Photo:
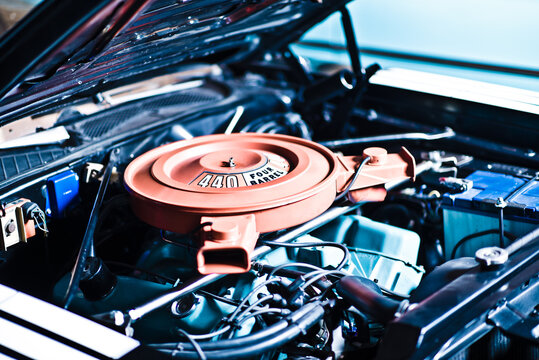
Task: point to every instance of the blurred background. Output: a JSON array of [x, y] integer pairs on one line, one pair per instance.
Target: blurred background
[[495, 41]]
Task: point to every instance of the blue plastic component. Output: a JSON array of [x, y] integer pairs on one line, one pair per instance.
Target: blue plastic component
[[383, 253], [62, 193], [488, 187]]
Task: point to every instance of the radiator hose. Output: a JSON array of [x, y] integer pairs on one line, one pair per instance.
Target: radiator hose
[[364, 295]]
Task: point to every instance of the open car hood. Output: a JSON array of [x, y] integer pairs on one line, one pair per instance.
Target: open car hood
[[65, 48]]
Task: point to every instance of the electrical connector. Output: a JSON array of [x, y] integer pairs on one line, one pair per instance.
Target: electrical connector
[[18, 221]]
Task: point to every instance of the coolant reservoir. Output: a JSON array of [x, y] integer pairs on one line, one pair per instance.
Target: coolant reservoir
[[383, 253]]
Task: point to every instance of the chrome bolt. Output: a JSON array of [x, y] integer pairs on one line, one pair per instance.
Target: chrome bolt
[[501, 203], [11, 227], [372, 115]]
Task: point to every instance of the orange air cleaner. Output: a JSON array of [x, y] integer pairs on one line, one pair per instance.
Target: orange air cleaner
[[241, 185]]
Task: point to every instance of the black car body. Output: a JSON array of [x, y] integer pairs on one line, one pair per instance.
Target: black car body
[[88, 86]]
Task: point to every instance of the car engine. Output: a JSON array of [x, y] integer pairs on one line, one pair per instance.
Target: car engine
[[223, 212]]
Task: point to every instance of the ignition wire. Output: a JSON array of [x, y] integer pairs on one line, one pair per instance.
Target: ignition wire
[[193, 342]]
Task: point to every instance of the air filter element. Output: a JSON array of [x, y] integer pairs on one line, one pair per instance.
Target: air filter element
[[240, 185]]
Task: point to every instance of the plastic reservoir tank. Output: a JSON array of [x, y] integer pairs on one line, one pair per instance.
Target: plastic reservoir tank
[[383, 253]]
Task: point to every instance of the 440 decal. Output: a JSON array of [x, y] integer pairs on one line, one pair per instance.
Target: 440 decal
[[262, 175]]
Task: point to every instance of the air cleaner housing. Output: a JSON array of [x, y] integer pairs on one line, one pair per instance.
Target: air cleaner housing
[[241, 185]]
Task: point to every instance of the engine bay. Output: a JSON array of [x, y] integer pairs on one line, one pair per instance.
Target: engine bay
[[219, 213]]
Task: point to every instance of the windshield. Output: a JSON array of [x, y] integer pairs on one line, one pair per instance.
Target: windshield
[[12, 11], [491, 41]]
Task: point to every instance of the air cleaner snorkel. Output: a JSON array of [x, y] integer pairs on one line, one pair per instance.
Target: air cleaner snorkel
[[234, 187], [227, 244]]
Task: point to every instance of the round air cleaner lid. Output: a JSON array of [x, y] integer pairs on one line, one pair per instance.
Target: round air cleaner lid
[[232, 174], [245, 184]]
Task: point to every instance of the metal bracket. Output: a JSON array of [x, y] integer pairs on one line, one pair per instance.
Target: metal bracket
[[520, 316]]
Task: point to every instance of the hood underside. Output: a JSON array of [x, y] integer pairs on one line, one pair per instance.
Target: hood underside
[[64, 48]]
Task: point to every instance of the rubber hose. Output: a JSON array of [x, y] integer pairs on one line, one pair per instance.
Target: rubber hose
[[358, 292]]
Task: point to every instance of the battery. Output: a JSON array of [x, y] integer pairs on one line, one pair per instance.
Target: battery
[[478, 209]]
